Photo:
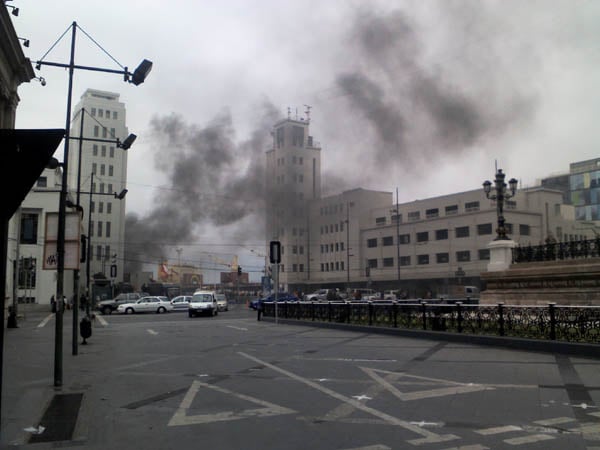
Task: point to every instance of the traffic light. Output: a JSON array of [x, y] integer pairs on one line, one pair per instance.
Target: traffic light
[[239, 270]]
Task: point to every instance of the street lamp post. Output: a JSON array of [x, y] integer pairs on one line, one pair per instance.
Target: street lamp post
[[136, 78], [500, 197]]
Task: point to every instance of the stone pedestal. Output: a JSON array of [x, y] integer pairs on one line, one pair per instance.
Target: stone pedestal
[[500, 255]]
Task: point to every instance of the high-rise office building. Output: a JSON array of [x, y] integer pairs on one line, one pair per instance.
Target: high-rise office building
[[100, 120]]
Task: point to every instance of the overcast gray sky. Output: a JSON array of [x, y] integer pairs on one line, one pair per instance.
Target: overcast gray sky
[[419, 95]]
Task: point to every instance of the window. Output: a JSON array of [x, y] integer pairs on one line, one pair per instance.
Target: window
[[405, 260], [341, 265], [104, 151], [111, 170], [95, 150], [42, 182], [462, 232], [115, 115], [102, 169], [100, 207], [451, 210], [93, 112], [93, 207], [387, 241], [27, 273], [94, 168], [484, 228], [396, 218], [423, 236], [471, 206], [294, 249], [442, 258], [108, 207], [441, 235], [301, 268], [525, 230], [96, 131], [298, 136], [29, 228], [372, 263], [100, 113], [280, 134], [432, 213], [107, 113], [379, 221], [404, 238], [104, 132], [322, 267], [107, 229], [484, 254], [341, 246], [98, 252], [112, 152], [388, 262], [414, 216], [92, 227], [99, 229], [422, 259], [371, 243], [463, 256]]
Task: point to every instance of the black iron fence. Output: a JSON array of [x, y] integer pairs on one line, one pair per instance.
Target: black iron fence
[[553, 251], [551, 322]]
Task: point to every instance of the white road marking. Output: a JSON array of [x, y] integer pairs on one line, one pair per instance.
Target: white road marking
[[529, 439], [428, 436], [362, 397], [587, 428], [181, 418], [595, 414], [371, 447], [346, 359], [46, 320], [498, 430], [152, 332], [555, 421], [237, 328], [454, 388], [422, 423], [102, 321], [469, 447]]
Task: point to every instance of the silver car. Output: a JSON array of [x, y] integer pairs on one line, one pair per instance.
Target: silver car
[[222, 302]]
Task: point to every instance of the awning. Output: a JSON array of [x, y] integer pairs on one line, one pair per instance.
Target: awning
[[25, 154]]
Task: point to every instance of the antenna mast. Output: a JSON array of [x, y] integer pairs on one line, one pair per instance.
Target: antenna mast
[[307, 112]]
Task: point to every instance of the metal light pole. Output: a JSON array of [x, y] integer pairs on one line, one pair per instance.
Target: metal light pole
[[398, 235], [500, 196], [137, 78]]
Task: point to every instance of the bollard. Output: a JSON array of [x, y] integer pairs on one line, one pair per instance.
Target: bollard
[[85, 329]]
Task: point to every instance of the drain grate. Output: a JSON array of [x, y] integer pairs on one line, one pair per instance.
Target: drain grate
[[59, 419]]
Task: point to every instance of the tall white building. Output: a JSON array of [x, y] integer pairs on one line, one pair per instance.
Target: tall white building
[[100, 120]]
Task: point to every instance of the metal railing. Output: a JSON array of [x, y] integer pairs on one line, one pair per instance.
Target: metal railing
[[551, 322], [553, 251]]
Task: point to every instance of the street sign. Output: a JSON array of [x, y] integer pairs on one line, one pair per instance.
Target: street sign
[[72, 241], [275, 252]]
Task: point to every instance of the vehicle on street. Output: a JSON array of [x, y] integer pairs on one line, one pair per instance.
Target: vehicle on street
[[181, 302], [320, 294], [203, 303], [389, 295], [222, 303], [365, 294], [281, 297], [153, 304], [109, 306]]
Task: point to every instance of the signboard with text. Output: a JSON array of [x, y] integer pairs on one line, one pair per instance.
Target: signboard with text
[[72, 241]]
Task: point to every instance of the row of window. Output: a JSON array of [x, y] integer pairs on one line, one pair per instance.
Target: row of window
[[333, 209], [104, 113], [105, 132], [439, 258], [330, 248], [101, 227], [434, 213], [109, 188], [298, 178], [332, 266], [102, 152], [442, 234], [332, 228], [101, 207], [103, 170], [295, 160]]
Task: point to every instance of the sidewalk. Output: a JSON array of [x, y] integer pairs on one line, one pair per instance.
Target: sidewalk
[[28, 371]]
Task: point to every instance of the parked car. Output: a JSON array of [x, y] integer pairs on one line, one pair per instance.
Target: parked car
[[181, 302], [203, 302], [108, 306], [281, 297], [365, 294], [154, 304], [222, 303], [320, 294]]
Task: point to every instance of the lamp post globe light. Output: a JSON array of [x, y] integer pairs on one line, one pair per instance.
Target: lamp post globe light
[[500, 196], [136, 78]]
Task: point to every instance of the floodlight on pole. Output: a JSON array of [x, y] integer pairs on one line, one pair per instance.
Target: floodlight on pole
[[121, 195], [141, 73], [127, 143]]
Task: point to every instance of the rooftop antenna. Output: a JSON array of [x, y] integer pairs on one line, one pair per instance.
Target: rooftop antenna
[[307, 112], [289, 113]]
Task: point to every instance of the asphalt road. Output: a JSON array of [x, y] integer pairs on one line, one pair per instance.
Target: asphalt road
[[231, 382]]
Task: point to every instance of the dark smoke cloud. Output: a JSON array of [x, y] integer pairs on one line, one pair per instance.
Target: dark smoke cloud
[[415, 110], [214, 182]]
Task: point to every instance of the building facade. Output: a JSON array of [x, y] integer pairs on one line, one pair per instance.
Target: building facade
[[360, 238], [100, 122]]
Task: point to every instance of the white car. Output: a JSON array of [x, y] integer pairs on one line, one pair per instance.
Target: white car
[[222, 302], [154, 304], [181, 302], [203, 302]]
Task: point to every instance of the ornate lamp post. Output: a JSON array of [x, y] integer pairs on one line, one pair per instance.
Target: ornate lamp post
[[500, 196]]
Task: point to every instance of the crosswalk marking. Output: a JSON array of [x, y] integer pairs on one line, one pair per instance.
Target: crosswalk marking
[[468, 447], [529, 439], [555, 421], [498, 430]]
